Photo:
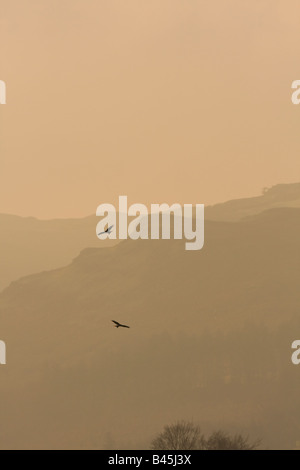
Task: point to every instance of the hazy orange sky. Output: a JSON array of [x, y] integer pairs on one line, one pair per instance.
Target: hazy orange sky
[[161, 100]]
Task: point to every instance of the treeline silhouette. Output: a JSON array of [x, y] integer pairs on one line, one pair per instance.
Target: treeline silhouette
[[241, 381], [185, 435]]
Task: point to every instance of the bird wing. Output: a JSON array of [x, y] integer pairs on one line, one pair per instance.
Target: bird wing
[[125, 326], [109, 228], [117, 323], [101, 233]]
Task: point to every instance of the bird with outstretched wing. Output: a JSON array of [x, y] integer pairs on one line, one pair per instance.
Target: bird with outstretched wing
[[118, 325], [108, 230]]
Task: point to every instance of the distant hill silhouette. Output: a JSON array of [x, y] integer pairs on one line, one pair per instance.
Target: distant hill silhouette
[[29, 245], [281, 195], [210, 338]]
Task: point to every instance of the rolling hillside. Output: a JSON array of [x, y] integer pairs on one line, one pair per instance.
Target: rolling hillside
[[210, 339], [281, 195], [29, 245]]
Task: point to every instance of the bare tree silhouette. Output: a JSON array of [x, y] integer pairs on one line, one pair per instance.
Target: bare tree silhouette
[[183, 435], [220, 440]]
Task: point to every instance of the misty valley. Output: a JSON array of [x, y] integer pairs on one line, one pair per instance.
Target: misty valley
[[149, 228], [210, 339]]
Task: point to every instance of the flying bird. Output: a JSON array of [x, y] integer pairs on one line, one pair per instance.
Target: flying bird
[[108, 230], [117, 324]]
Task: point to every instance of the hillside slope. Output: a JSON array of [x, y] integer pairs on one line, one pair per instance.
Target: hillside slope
[[29, 245], [209, 340], [281, 195]]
